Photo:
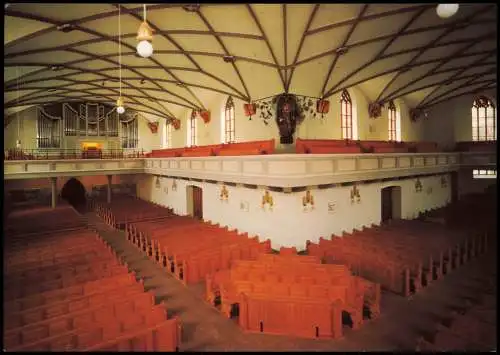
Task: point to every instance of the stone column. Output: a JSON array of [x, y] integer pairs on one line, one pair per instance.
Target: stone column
[[110, 177], [53, 182]]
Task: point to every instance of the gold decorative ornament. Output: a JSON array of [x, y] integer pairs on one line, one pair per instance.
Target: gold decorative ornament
[[355, 196], [224, 193], [267, 199]]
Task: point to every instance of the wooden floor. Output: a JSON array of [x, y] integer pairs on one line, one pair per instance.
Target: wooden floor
[[401, 323]]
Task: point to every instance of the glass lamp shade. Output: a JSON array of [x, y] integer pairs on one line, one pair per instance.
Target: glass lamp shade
[[120, 109], [446, 10], [145, 49]]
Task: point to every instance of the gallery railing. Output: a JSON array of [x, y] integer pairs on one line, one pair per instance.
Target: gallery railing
[[56, 154]]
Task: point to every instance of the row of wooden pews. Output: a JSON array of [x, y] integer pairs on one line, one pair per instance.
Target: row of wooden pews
[[471, 324], [118, 213], [190, 249], [68, 291], [347, 146], [291, 294], [229, 149], [404, 256]]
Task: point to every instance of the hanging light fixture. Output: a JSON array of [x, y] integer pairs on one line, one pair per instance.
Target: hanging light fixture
[[145, 36], [18, 141], [119, 103], [446, 10]]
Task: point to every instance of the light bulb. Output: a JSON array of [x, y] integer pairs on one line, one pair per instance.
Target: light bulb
[[120, 109], [145, 49], [446, 10]]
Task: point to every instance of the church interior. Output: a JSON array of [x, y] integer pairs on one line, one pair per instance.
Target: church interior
[[266, 177]]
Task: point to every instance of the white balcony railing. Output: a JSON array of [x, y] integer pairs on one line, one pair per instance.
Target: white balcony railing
[[289, 170], [31, 169], [280, 170]]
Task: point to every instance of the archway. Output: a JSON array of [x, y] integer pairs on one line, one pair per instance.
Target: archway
[[74, 192], [391, 203]]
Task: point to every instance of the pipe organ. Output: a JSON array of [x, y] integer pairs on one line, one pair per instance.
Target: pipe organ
[[80, 120]]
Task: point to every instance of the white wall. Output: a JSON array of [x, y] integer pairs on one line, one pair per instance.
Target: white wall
[[287, 224], [450, 121], [27, 130], [327, 127]]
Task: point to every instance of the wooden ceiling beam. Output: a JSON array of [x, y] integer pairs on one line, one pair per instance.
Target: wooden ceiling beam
[[453, 27], [344, 43], [442, 62], [490, 84], [268, 44], [379, 53], [226, 52], [301, 43], [456, 75]]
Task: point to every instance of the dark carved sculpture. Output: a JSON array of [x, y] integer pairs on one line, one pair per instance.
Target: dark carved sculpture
[[287, 115]]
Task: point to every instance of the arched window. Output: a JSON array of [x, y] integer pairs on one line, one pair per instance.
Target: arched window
[[229, 136], [346, 122], [394, 124], [483, 120], [167, 135], [192, 130]]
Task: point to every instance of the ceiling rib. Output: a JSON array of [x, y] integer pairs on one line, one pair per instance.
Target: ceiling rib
[[369, 17], [285, 45], [433, 70], [379, 53], [191, 59], [490, 84], [233, 64], [268, 44], [153, 26], [381, 38], [301, 43], [461, 86], [456, 76], [454, 26], [344, 42], [133, 70], [125, 79], [439, 83], [158, 113]]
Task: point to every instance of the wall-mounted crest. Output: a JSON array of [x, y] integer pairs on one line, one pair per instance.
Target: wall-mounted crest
[[417, 113], [418, 185], [153, 127], [355, 196], [224, 193], [157, 182], [331, 207], [267, 200], [174, 185], [375, 109], [308, 201], [176, 123]]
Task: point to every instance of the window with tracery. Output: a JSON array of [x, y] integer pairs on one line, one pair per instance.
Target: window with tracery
[[346, 122], [483, 120], [229, 135], [167, 135], [394, 129], [192, 131]]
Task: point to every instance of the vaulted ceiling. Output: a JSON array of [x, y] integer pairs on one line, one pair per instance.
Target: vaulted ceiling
[[389, 51]]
